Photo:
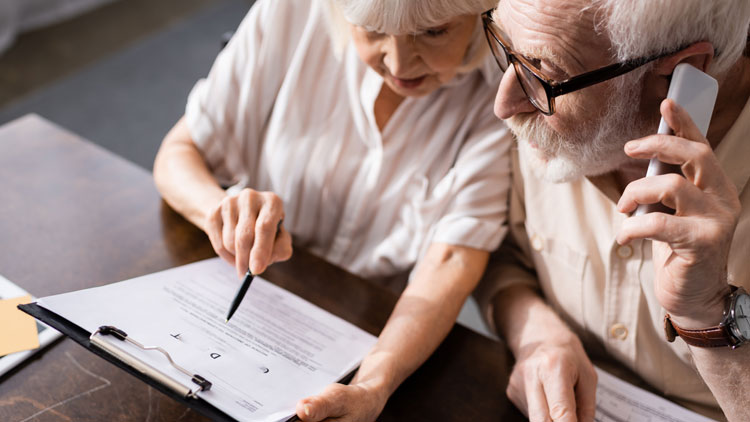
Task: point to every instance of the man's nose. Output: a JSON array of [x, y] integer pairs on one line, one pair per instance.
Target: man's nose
[[510, 99], [398, 54]]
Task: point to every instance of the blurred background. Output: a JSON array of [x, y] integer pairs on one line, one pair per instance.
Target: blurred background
[[116, 72]]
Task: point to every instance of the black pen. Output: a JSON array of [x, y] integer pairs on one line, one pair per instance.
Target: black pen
[[246, 282], [240, 294]]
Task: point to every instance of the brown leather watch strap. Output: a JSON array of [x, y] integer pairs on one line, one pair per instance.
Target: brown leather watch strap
[[718, 336]]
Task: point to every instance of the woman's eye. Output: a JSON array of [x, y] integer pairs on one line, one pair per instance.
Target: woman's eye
[[374, 35], [436, 32]]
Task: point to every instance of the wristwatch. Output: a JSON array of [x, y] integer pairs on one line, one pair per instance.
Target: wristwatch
[[732, 332]]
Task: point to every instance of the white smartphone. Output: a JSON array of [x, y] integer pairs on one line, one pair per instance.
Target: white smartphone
[[696, 92]]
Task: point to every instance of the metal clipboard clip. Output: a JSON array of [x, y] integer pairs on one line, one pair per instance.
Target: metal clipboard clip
[[203, 384]]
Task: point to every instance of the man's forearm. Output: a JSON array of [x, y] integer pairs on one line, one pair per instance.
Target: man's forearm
[[726, 373], [524, 319]]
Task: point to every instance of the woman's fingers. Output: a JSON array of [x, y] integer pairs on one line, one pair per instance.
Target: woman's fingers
[[246, 231], [267, 226], [214, 225], [249, 206], [282, 248], [229, 222], [335, 401]]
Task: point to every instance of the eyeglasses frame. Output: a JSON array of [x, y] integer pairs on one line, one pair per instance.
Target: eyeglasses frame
[[551, 87]]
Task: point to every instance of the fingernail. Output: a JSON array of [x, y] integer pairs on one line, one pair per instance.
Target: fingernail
[[308, 410], [255, 266]]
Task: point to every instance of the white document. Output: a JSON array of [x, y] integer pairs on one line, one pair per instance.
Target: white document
[[619, 401], [277, 348], [47, 334]]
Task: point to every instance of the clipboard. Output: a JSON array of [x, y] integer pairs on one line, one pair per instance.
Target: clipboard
[[83, 337], [131, 366], [281, 348]]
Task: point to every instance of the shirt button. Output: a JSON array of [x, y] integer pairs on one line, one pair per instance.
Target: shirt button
[[537, 243], [624, 251], [618, 331]]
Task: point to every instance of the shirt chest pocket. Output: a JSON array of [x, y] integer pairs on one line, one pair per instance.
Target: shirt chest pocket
[[561, 271]]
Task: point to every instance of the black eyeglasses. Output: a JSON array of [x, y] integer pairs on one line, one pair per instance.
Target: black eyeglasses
[[539, 89]]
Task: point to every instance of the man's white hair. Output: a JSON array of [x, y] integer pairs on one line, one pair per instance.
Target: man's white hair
[[398, 17], [642, 28]]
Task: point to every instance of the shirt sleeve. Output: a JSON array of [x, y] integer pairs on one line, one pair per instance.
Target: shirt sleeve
[[511, 264], [227, 110], [476, 216]]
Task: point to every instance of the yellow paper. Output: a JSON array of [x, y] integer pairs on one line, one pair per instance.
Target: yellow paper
[[17, 329]]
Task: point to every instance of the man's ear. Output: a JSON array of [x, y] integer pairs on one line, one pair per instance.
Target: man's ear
[[699, 54]]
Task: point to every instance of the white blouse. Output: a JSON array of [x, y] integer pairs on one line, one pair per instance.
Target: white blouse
[[280, 112]]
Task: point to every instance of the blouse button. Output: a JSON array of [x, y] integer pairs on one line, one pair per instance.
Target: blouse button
[[624, 251], [537, 243], [618, 331]]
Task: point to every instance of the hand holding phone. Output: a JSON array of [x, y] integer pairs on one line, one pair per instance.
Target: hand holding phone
[[696, 92]]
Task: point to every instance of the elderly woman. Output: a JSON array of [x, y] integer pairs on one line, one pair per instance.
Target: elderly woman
[[367, 127]]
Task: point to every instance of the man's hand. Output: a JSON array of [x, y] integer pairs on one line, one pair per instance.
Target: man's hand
[[554, 381], [246, 231], [343, 403], [691, 247]]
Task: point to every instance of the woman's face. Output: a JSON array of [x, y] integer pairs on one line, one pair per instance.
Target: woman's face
[[416, 64]]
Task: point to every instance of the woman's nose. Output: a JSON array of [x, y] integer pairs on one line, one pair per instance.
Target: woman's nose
[[399, 54], [510, 99]]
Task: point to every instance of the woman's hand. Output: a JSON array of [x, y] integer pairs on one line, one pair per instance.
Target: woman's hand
[[246, 230], [357, 402], [423, 316]]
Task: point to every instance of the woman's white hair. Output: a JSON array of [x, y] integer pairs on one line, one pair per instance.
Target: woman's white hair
[[406, 17], [642, 28]]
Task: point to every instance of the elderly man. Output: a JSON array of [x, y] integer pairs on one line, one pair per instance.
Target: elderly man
[[583, 90]]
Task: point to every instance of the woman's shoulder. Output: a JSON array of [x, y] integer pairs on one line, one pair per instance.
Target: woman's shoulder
[[288, 16]]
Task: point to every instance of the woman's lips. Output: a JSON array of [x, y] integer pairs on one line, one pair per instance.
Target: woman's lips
[[408, 83]]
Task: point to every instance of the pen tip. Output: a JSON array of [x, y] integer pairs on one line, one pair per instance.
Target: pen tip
[[226, 321]]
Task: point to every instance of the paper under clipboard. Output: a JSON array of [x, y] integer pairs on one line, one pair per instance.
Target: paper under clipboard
[[277, 349]]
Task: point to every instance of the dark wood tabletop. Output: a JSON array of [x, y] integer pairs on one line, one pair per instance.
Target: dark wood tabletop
[[73, 215]]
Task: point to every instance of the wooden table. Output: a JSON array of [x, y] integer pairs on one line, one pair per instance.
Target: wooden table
[[73, 215]]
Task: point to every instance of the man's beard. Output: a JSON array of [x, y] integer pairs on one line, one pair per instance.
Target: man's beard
[[596, 147]]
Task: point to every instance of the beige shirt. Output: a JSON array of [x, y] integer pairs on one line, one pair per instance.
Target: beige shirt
[[280, 112], [566, 234]]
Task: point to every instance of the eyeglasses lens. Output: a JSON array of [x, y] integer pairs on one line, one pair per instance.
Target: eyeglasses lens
[[497, 50], [533, 88], [529, 82]]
